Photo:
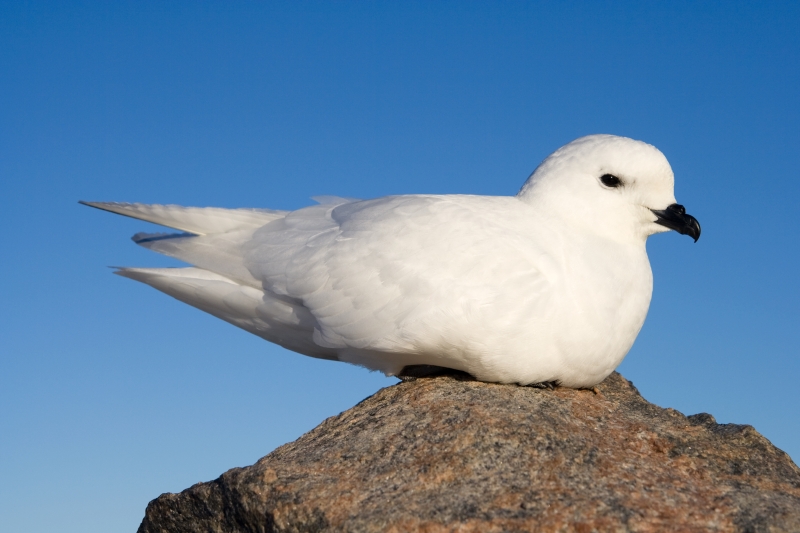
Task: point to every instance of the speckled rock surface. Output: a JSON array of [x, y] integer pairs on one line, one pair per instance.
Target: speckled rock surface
[[447, 454]]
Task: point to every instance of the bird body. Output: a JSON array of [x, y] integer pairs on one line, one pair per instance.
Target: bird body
[[552, 284]]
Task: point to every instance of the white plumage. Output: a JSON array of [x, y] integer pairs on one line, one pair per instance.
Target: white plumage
[[552, 284]]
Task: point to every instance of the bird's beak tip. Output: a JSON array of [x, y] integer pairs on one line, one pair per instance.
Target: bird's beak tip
[[675, 217]]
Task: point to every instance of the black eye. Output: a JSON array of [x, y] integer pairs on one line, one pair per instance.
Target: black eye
[[610, 181]]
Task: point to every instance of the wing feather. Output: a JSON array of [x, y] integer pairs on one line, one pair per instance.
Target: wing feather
[[256, 311], [373, 273], [197, 220]]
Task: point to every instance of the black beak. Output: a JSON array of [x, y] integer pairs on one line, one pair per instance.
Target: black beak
[[675, 217]]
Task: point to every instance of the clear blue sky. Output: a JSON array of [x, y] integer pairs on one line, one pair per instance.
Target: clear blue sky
[[112, 393]]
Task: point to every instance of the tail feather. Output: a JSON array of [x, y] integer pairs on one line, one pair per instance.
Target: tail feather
[[220, 284], [196, 220], [253, 310], [220, 253]]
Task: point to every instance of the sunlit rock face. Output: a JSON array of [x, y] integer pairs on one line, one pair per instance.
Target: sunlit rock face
[[451, 454]]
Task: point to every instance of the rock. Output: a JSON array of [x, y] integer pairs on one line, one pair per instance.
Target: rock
[[450, 454]]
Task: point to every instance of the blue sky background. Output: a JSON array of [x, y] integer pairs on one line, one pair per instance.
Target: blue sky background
[[112, 393]]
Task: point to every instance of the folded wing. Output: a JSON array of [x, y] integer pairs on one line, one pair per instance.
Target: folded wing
[[405, 276], [275, 320], [381, 283]]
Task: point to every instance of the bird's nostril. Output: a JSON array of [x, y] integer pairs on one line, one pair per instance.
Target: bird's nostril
[[678, 208]]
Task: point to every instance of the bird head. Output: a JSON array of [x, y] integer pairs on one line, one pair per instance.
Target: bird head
[[614, 186]]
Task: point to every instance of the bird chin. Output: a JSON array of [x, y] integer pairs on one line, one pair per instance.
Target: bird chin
[[653, 228]]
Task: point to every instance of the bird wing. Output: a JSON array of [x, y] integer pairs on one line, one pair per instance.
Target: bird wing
[[376, 282], [213, 237], [196, 220], [219, 283], [278, 321], [413, 274]]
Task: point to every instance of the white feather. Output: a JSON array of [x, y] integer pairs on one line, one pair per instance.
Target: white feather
[[197, 220], [273, 319], [550, 285]]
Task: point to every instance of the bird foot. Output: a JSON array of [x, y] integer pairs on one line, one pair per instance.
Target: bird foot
[[545, 385], [414, 372]]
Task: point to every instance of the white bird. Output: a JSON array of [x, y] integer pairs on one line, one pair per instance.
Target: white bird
[[549, 286]]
